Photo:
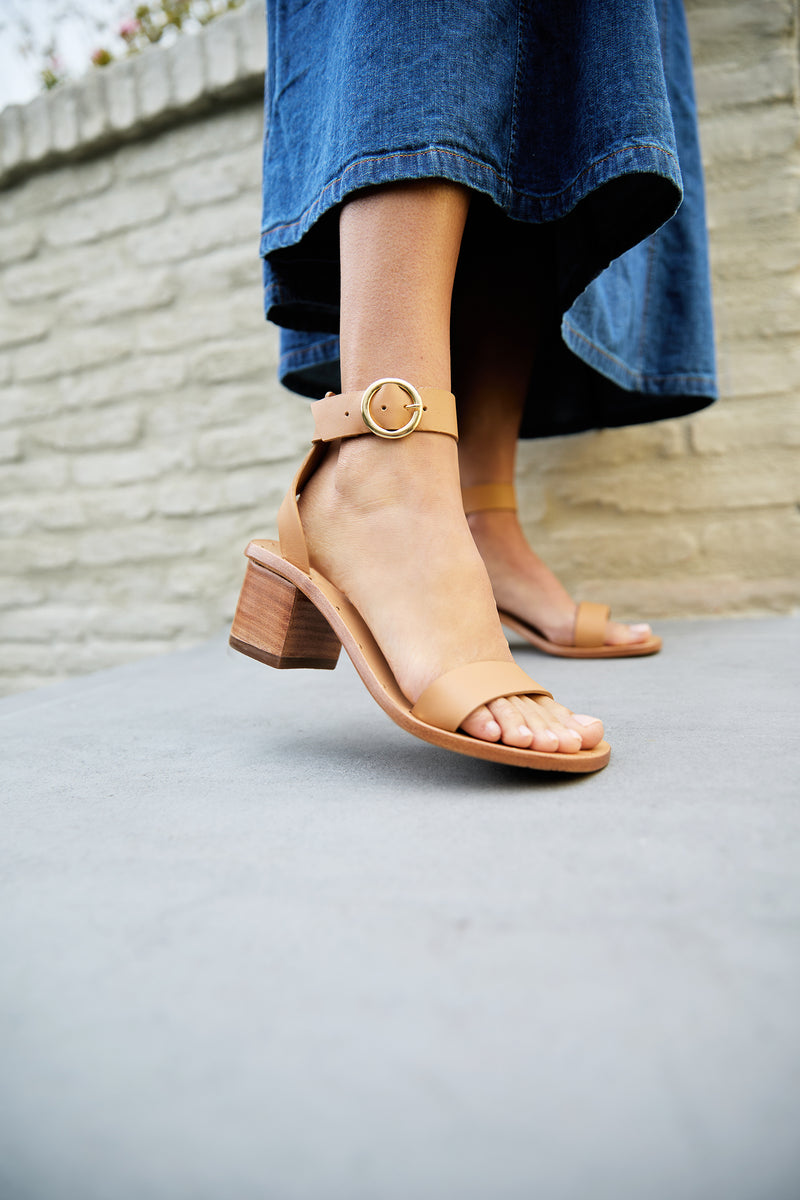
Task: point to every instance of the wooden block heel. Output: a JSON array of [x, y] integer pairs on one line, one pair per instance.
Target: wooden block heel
[[278, 625]]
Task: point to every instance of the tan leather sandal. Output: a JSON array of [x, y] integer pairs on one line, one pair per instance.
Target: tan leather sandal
[[591, 620], [289, 615]]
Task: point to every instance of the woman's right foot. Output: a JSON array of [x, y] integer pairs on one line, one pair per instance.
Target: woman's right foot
[[420, 583]]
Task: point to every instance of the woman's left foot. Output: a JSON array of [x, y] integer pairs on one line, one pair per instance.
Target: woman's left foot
[[526, 587]]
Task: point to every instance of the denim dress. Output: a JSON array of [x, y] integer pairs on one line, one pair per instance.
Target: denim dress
[[574, 116]]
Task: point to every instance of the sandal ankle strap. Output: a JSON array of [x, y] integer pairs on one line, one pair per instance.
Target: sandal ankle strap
[[383, 410], [389, 408], [485, 497]]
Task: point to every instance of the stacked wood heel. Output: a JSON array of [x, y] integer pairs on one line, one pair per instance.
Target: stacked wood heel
[[278, 625]]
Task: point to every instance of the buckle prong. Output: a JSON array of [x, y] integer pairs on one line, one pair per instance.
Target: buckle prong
[[410, 425]]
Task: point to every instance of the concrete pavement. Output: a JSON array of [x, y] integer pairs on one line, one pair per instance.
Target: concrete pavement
[[258, 943]]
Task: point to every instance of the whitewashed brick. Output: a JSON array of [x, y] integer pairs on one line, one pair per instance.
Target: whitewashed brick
[[158, 373], [61, 269], [741, 197], [63, 658], [20, 328], [63, 513], [10, 446], [228, 405], [242, 358], [762, 421], [40, 474], [206, 182], [54, 189], [198, 323], [65, 120], [731, 84], [125, 466], [201, 577], [20, 404], [42, 555], [18, 241], [229, 269], [192, 141], [119, 295], [222, 65], [20, 592], [44, 623], [152, 83], [769, 132], [763, 478], [36, 128], [120, 504], [167, 539], [755, 367], [151, 621], [121, 99], [12, 143], [5, 376], [17, 517], [90, 431], [124, 207], [272, 438], [773, 539], [184, 236], [93, 108], [187, 69], [721, 30], [204, 493], [65, 352], [252, 37], [26, 681]]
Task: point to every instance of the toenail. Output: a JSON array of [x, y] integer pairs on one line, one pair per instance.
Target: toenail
[[640, 628], [493, 729], [583, 720], [523, 729]]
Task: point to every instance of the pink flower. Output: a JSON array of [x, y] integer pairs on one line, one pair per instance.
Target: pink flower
[[129, 28], [101, 57]]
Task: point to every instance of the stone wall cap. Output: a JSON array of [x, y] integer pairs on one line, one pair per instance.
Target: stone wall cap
[[163, 85]]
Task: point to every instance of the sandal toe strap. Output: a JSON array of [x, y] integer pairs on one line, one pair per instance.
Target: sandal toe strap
[[454, 695], [590, 624]]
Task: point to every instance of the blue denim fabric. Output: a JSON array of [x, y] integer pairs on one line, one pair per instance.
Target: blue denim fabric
[[577, 115]]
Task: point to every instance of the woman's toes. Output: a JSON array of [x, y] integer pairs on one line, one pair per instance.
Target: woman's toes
[[525, 723], [546, 740], [621, 635], [510, 716], [591, 730], [551, 731], [482, 725]]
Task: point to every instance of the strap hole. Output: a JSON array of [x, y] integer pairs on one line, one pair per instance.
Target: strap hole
[[347, 414]]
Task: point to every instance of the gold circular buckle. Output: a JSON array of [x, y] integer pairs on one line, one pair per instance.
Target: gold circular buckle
[[410, 425]]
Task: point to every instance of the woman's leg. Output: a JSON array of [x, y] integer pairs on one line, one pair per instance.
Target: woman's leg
[[384, 519], [495, 318]]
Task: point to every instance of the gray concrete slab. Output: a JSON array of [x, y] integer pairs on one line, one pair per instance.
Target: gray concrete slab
[[259, 943]]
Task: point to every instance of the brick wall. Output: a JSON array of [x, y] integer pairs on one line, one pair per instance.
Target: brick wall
[[143, 437]]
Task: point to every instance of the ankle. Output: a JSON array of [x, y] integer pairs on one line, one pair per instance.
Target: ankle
[[382, 473]]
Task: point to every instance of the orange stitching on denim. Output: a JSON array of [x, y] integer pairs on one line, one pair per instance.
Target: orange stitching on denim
[[473, 162]]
